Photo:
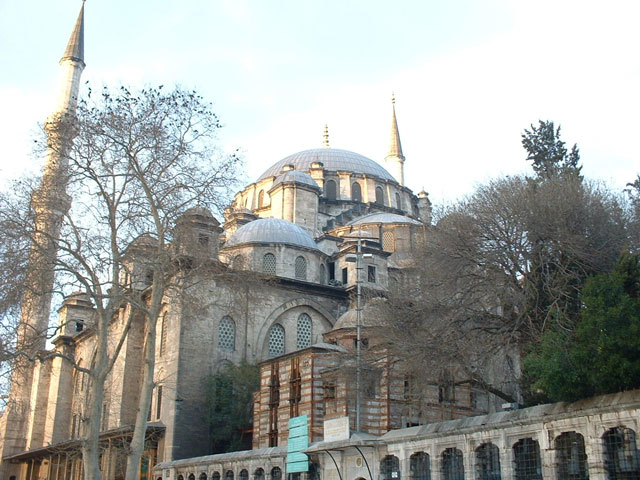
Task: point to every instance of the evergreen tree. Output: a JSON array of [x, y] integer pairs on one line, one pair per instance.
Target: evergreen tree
[[548, 153]]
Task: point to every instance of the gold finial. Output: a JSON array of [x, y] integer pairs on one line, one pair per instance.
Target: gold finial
[[326, 136], [393, 98]]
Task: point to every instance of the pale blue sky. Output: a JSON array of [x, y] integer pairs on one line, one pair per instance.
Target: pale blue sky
[[469, 76]]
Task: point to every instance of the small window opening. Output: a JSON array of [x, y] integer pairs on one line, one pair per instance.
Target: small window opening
[[371, 273]]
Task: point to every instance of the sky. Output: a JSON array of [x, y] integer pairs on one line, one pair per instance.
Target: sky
[[468, 77]]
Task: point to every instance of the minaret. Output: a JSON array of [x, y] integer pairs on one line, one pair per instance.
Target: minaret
[[50, 203], [395, 159]]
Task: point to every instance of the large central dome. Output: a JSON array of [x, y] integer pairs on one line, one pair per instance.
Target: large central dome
[[333, 159]]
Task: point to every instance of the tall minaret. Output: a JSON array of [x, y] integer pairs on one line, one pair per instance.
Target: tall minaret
[[395, 159], [50, 203]]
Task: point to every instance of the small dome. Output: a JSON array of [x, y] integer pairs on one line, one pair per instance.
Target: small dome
[[293, 176], [384, 218], [272, 230], [201, 211], [371, 316], [333, 159]]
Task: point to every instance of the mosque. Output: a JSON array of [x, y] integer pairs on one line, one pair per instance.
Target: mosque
[[313, 231]]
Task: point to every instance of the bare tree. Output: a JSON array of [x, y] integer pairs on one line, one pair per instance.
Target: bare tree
[[497, 270], [139, 160]]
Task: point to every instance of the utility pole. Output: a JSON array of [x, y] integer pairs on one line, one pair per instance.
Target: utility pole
[[358, 326]]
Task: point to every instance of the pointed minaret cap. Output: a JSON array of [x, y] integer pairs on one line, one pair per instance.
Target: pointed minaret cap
[[326, 136], [395, 147], [75, 47]]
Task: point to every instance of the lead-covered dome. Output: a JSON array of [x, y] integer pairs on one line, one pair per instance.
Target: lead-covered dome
[[332, 159], [384, 217], [271, 230], [294, 176]]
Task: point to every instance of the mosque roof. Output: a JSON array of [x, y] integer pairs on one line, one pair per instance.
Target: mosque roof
[[333, 159], [294, 176], [272, 230], [381, 217]]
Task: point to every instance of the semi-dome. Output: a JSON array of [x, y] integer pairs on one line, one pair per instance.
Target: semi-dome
[[272, 230], [332, 159], [294, 176], [382, 217]]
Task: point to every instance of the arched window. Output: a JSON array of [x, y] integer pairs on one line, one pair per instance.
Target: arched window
[[620, 454], [419, 467], [388, 241], [399, 202], [488, 462], [180, 477], [269, 264], [258, 474], [261, 199], [390, 468], [203, 476], [356, 192], [526, 457], [276, 473], [227, 334], [228, 475], [571, 458], [305, 331], [192, 476], [238, 262], [301, 268], [243, 475], [215, 476], [276, 340], [330, 190], [323, 274], [452, 464], [379, 196]]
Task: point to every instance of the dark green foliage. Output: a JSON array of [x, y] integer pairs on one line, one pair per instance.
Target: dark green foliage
[[230, 406], [548, 154], [602, 355]]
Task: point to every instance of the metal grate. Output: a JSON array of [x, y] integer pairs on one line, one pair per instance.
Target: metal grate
[[390, 468], [388, 242], [621, 454], [571, 458], [301, 268], [488, 462], [419, 466], [526, 456], [452, 464], [227, 334], [269, 264], [276, 341], [305, 331]]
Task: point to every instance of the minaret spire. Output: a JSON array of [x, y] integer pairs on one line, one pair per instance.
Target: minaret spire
[[395, 158], [50, 203]]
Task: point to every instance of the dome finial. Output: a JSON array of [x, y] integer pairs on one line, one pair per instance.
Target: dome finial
[[393, 98], [326, 136]]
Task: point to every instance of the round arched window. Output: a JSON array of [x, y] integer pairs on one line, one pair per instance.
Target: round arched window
[[276, 341], [301, 268], [227, 334], [356, 192], [330, 190], [305, 331]]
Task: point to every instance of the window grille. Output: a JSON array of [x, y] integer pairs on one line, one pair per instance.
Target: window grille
[[571, 458], [305, 331], [330, 190], [203, 476], [526, 454], [295, 388], [419, 467], [388, 242], [452, 464], [301, 268], [163, 335], [276, 473], [356, 192], [227, 334], [379, 196], [276, 341], [243, 475], [621, 454], [228, 475], [488, 462], [390, 468], [258, 474], [269, 264]]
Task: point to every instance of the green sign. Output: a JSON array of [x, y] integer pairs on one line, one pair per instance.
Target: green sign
[[298, 441]]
